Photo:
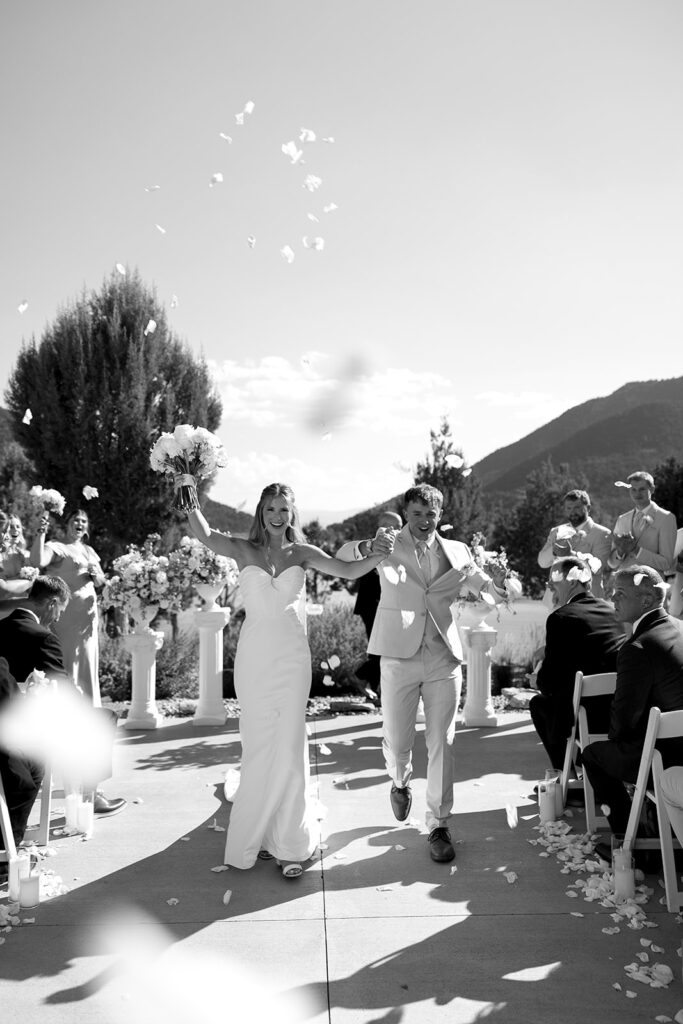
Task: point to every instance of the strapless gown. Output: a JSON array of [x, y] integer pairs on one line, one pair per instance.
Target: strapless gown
[[272, 810]]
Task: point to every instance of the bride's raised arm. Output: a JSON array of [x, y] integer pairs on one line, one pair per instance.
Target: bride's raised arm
[[221, 543]]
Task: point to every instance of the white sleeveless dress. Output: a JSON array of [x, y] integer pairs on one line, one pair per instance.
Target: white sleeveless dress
[[272, 680]]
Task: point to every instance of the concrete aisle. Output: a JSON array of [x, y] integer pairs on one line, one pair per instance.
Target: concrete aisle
[[373, 932]]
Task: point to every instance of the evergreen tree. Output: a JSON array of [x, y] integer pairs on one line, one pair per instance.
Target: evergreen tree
[[523, 530], [444, 468], [102, 384], [668, 494]]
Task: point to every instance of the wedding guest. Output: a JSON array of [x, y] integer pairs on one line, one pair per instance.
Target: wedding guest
[[646, 535], [582, 635], [420, 651], [676, 594], [77, 563], [367, 602], [14, 557], [672, 791], [28, 642], [272, 816], [578, 534], [649, 674], [21, 777]]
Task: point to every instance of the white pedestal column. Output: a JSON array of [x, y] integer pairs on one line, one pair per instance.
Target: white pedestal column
[[210, 708], [478, 710], [143, 646]]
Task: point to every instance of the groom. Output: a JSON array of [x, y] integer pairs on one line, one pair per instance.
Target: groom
[[421, 653]]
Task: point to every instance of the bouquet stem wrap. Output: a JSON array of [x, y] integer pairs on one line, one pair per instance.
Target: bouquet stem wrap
[[185, 498]]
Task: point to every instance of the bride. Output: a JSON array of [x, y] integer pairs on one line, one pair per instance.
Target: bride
[[271, 816]]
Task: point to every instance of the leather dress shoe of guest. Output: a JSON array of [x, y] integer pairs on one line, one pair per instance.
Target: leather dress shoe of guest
[[401, 801], [105, 808], [440, 845]]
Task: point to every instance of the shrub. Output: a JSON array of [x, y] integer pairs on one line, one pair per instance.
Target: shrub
[[337, 631], [177, 673], [115, 669]]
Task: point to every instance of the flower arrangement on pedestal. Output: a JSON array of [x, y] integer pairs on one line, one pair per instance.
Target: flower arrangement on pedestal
[[192, 564], [479, 572], [141, 582], [187, 453]]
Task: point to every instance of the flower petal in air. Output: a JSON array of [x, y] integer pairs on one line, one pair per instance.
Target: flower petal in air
[[151, 327], [454, 461], [227, 896], [162, 231], [251, 241], [290, 150], [22, 307], [306, 135], [328, 681], [312, 182], [90, 492], [511, 812], [216, 179], [152, 188], [511, 876], [334, 661], [330, 207], [287, 253], [28, 416], [226, 138], [174, 301], [121, 269]]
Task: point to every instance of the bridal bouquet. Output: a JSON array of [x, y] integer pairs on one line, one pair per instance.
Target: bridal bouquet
[[47, 500], [479, 570], [192, 562], [187, 453], [140, 580]]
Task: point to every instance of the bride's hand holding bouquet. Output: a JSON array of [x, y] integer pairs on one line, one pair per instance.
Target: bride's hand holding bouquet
[[187, 453]]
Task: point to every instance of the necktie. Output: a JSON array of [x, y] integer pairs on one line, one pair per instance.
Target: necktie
[[423, 560]]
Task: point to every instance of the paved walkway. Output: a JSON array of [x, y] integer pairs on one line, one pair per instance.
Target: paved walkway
[[374, 932]]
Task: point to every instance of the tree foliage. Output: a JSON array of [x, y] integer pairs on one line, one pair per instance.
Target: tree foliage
[[523, 530], [668, 477], [101, 387], [462, 506]]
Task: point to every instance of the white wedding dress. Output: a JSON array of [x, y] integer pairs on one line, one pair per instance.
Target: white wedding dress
[[272, 680]]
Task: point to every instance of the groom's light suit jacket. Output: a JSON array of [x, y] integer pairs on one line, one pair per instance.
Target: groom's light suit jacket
[[407, 600]]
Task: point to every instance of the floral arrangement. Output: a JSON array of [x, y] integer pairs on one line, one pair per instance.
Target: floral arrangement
[[479, 570], [48, 500], [192, 562], [140, 579], [29, 572], [187, 453]]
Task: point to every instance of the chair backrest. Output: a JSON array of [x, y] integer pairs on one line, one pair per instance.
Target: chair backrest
[[599, 684], [670, 725]]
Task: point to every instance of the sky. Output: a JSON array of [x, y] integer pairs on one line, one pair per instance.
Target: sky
[[506, 239]]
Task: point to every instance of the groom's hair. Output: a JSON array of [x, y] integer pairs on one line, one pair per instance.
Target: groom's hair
[[45, 588], [425, 493]]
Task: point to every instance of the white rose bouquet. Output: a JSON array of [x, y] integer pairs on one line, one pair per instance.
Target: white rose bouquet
[[192, 562], [187, 453], [141, 579], [479, 574], [47, 500]]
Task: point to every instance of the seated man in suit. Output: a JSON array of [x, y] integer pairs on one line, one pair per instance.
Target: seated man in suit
[[646, 535], [582, 634], [649, 674], [27, 643], [367, 602], [579, 534]]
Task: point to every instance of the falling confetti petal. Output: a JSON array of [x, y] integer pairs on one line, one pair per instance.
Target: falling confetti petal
[[151, 327], [220, 867], [216, 179], [22, 307], [313, 243], [121, 269], [174, 301], [306, 135], [160, 229], [184, 839], [312, 216], [334, 661], [328, 681], [327, 436], [251, 241], [227, 896], [454, 461], [239, 119], [324, 749], [28, 416], [330, 207], [287, 253], [511, 876], [249, 107], [312, 182], [152, 188], [227, 138], [290, 150], [466, 472], [453, 869], [330, 138], [90, 492], [511, 813], [173, 901]]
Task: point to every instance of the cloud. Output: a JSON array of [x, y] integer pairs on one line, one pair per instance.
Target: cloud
[[324, 394]]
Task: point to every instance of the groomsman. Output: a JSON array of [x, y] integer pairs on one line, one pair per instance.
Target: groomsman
[[578, 534], [420, 654], [646, 535]]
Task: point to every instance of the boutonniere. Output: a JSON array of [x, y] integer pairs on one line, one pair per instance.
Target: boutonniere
[[646, 520]]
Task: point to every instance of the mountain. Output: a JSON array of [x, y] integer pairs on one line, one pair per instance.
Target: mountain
[[227, 519]]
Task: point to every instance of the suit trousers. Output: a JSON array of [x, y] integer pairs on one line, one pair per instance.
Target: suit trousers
[[434, 674], [21, 779], [608, 768]]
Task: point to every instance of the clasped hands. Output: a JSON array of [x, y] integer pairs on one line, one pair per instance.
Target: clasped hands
[[624, 544], [383, 541]]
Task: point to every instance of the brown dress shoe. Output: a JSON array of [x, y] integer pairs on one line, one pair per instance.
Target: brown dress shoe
[[440, 845], [401, 801]]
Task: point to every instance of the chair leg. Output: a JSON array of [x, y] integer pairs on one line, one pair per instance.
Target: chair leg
[[10, 851], [43, 833]]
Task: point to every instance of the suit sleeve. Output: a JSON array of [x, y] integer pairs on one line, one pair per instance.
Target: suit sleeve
[[49, 657], [545, 555], [557, 672], [630, 704], [350, 552], [603, 548], [662, 561], [613, 560]]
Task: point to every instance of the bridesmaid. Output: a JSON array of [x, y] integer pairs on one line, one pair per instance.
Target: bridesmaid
[[79, 566]]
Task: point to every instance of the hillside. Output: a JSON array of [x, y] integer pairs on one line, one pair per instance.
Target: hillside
[[227, 519], [504, 470]]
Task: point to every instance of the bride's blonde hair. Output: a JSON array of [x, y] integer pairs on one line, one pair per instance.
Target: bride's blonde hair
[[258, 534]]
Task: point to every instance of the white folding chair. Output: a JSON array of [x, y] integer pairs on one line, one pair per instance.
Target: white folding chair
[[598, 685], [10, 850], [572, 748], [660, 726]]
